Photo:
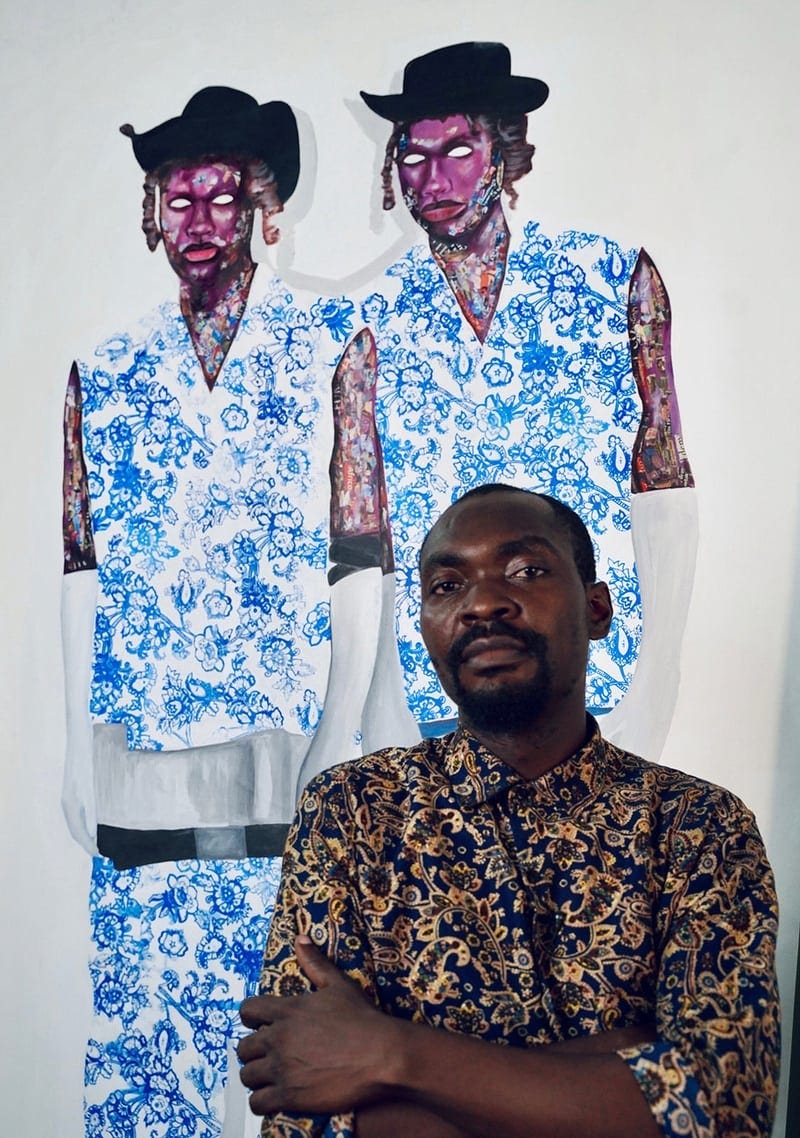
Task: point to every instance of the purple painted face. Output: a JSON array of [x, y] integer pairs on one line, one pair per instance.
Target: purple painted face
[[206, 222], [447, 173]]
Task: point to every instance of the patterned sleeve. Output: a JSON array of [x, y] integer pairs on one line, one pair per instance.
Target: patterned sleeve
[[317, 896], [714, 1069]]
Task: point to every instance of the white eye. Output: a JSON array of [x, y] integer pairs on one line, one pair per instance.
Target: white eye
[[412, 159], [222, 199], [179, 203], [460, 151]]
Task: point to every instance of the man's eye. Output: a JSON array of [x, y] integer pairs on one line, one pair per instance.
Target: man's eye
[[529, 572], [440, 588], [222, 199], [412, 159], [459, 151], [179, 203]]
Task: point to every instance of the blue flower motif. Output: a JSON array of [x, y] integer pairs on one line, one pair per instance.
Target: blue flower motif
[[374, 308], [492, 418], [118, 995], [260, 361], [317, 625], [110, 928], [120, 1115], [624, 586], [210, 649], [309, 713], [217, 605], [235, 418], [497, 373], [292, 464], [172, 943], [185, 593], [337, 315], [226, 896], [96, 1064], [178, 900], [94, 1119]]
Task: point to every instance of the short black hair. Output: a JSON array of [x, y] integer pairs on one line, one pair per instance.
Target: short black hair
[[570, 522]]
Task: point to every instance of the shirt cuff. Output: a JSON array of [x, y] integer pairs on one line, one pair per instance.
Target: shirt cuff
[[672, 1092], [285, 1125]]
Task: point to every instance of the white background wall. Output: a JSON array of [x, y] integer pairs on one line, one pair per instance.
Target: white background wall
[[674, 125]]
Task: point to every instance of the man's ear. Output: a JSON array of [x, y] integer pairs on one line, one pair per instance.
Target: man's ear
[[599, 609]]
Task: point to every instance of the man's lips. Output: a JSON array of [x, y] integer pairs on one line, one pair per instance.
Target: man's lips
[[443, 210], [494, 651], [199, 253]]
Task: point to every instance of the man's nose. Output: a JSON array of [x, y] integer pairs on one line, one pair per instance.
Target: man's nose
[[200, 221], [488, 600]]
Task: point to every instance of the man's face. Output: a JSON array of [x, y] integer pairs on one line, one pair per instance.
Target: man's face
[[447, 173], [206, 222], [505, 616]]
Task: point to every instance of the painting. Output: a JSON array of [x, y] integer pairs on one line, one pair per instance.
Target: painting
[[249, 472]]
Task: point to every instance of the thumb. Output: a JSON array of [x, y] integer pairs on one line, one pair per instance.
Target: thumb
[[319, 970]]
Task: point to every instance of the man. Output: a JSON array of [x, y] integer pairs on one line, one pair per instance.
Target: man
[[521, 881], [518, 356], [196, 627]]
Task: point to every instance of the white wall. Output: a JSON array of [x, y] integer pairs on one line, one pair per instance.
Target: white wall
[[672, 124]]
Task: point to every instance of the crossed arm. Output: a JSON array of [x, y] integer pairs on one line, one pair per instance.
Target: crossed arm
[[332, 1051]]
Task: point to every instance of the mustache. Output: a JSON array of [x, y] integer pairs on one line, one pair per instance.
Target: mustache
[[534, 642]]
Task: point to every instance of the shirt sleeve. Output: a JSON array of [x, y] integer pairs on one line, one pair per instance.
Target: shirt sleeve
[[317, 896], [714, 1069]]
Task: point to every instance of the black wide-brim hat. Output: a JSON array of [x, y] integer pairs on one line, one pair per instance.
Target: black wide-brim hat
[[464, 78], [220, 121]]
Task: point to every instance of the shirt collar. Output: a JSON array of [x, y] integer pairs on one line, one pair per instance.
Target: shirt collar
[[476, 775]]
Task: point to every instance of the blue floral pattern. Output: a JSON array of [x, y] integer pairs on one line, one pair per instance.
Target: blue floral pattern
[[176, 948], [548, 402], [211, 525]]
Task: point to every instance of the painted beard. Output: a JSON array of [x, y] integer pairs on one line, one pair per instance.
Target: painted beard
[[513, 705]]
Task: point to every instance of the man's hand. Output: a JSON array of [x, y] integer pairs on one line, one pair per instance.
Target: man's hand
[[316, 1053]]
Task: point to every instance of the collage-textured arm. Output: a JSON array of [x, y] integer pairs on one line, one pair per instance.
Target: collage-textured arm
[[659, 460], [79, 551], [78, 597], [714, 1069], [663, 522]]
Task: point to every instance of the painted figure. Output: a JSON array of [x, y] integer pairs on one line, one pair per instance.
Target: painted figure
[[519, 356], [199, 626]]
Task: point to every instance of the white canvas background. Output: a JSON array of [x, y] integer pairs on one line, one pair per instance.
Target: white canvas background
[[672, 125]]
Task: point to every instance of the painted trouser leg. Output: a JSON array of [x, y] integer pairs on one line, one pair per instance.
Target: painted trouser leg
[[365, 678], [663, 520]]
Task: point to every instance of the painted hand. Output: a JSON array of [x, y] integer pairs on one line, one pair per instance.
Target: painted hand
[[320, 1052]]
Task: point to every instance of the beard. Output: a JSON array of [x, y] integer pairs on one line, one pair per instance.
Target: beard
[[510, 705]]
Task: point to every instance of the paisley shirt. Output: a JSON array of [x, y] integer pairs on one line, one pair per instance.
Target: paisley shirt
[[608, 892], [548, 402]]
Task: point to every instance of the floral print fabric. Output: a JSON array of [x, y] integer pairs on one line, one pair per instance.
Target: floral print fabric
[[548, 403], [608, 892], [210, 516], [176, 948]]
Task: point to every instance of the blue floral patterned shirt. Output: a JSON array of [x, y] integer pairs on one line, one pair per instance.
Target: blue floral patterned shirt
[[608, 892], [548, 402], [210, 517]]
